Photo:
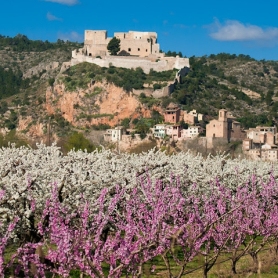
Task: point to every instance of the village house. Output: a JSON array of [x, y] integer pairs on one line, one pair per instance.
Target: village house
[[172, 113], [115, 134], [191, 132], [159, 131], [261, 143], [192, 117], [226, 128], [174, 131]]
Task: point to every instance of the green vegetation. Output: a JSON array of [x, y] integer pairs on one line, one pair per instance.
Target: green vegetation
[[173, 54], [22, 43], [114, 46], [217, 81], [81, 75], [12, 138], [78, 141], [11, 82], [148, 101]]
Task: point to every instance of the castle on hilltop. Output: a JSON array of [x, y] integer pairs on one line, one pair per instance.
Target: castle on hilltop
[[140, 44], [137, 49]]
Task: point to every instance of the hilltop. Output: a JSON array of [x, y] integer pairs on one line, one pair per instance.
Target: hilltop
[[30, 74]]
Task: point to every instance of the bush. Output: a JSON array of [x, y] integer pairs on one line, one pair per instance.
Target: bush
[[77, 141]]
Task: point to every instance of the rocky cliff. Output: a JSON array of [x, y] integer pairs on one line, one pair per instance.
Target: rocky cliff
[[100, 103]]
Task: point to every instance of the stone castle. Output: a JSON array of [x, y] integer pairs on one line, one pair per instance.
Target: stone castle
[[138, 49]]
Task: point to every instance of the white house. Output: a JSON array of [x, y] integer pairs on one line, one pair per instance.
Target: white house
[[191, 132], [159, 130], [114, 135]]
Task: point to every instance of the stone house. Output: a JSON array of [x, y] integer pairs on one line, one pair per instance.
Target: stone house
[[191, 132], [172, 113], [192, 117], [263, 154], [226, 127], [174, 131], [261, 143]]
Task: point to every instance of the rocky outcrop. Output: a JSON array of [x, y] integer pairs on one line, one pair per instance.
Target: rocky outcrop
[[34, 128], [100, 103]]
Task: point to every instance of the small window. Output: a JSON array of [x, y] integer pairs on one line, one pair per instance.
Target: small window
[[129, 49], [146, 50], [138, 49]]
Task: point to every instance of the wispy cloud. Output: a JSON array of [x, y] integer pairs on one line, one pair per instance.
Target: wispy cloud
[[233, 30], [64, 2], [72, 36], [52, 17], [182, 26]]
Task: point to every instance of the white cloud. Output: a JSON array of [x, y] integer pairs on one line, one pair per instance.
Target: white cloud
[[72, 36], [233, 30], [52, 17], [64, 2], [182, 26]]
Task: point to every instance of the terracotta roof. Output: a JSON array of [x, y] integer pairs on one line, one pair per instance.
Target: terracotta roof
[[172, 105]]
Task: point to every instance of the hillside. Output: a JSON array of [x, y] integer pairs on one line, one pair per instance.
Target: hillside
[[32, 89]]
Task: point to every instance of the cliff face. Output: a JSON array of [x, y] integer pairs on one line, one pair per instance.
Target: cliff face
[[100, 103]]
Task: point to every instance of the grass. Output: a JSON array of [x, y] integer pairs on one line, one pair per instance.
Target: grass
[[222, 267]]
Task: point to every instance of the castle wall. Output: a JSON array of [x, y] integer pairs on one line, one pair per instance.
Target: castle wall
[[138, 43], [125, 62]]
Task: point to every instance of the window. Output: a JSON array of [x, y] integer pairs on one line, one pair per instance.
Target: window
[[129, 49], [138, 49]]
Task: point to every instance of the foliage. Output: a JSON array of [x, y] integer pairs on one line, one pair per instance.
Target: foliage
[[114, 46], [22, 43], [10, 82], [82, 74], [173, 54], [51, 81], [125, 122], [250, 120], [100, 126], [11, 138], [77, 141], [156, 116], [148, 100]]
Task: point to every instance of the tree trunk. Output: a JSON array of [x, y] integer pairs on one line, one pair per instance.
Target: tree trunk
[[256, 262], [234, 262]]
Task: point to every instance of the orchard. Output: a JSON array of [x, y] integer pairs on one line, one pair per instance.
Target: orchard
[[103, 214]]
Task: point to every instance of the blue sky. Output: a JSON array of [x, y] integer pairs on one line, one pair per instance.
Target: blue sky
[[197, 28]]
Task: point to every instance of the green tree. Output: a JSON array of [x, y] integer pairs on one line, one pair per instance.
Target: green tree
[[114, 46], [78, 141]]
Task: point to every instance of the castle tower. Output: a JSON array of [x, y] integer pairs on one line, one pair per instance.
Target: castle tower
[[172, 114], [222, 116]]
